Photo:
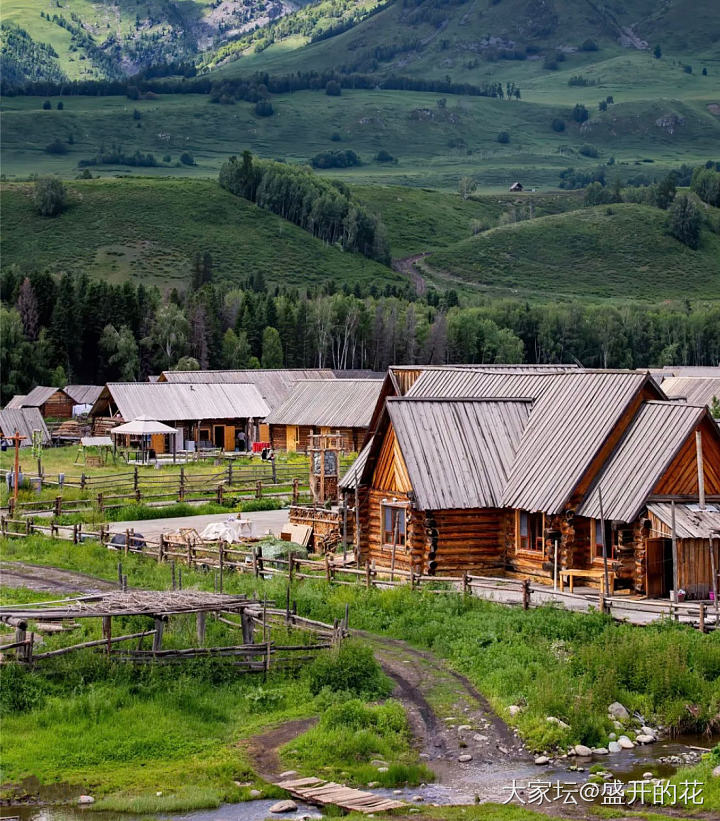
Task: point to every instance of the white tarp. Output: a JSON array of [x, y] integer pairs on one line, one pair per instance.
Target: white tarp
[[231, 530]]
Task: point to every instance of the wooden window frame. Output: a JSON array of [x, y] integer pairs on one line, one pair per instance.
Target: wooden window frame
[[526, 549], [398, 507], [596, 556]]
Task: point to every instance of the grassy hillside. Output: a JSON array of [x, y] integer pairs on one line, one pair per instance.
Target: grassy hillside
[[435, 142], [151, 230], [619, 251]]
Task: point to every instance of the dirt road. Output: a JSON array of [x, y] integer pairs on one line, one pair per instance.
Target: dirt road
[[50, 579]]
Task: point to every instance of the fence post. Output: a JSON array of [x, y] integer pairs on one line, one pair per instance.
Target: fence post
[[367, 574], [258, 489], [274, 471], [161, 547], [466, 583], [230, 473], [135, 478], [701, 618], [260, 565], [21, 635], [100, 502], [219, 493], [28, 526], [526, 594], [201, 627], [158, 637], [295, 491], [127, 540], [172, 569], [601, 601], [181, 489], [83, 479], [221, 556], [75, 534], [3, 526], [11, 507], [58, 505], [120, 574], [327, 568], [291, 565]]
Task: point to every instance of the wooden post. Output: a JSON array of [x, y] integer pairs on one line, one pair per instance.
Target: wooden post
[[526, 594], [601, 602], [161, 547], [28, 526], [201, 627], [135, 478], [357, 524], [229, 472], [58, 505], [327, 567], [16, 439], [21, 635], [179, 578], [120, 573], [11, 507], [674, 549], [127, 540], [247, 628], [466, 583], [75, 534], [258, 489], [107, 631], [396, 523], [100, 502], [713, 570], [181, 487], [255, 561], [295, 491], [287, 604], [291, 565], [219, 493], [344, 526], [274, 470], [555, 566], [3, 526], [83, 480], [124, 583], [604, 542], [701, 618], [367, 574], [347, 616], [172, 570], [158, 637], [259, 560], [700, 469]]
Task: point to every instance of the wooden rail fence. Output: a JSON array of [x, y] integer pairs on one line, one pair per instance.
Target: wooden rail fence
[[333, 569]]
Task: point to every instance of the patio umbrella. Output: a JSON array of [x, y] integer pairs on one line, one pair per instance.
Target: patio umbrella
[[142, 426]]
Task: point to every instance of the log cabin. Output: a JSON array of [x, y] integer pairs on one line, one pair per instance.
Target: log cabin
[[224, 416], [53, 403], [447, 484], [341, 406]]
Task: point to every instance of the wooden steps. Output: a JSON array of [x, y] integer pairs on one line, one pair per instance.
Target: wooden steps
[[316, 791]]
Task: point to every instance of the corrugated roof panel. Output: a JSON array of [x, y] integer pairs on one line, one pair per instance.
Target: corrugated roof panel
[[83, 394], [354, 473], [39, 396], [458, 453], [482, 382], [691, 522], [696, 390], [16, 402], [569, 423], [651, 442], [170, 402], [25, 421], [339, 403]]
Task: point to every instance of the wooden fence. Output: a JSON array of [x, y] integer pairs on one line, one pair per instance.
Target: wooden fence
[[221, 557]]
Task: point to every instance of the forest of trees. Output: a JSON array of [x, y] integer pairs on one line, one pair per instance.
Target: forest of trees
[[324, 208], [57, 330]]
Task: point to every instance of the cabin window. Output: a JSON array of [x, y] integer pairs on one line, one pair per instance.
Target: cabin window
[[530, 528], [393, 525], [611, 538]]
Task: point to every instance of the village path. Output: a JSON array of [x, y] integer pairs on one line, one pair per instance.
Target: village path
[[263, 521]]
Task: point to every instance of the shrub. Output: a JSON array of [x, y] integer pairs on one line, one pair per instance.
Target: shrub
[[57, 146], [49, 196], [384, 156], [352, 669], [167, 158], [558, 125], [588, 150], [186, 158], [503, 137], [657, 52], [580, 113], [335, 159], [550, 63], [684, 221], [687, 69], [332, 88], [597, 194], [20, 689], [335, 137], [47, 105], [264, 108], [60, 105], [589, 45], [136, 114]]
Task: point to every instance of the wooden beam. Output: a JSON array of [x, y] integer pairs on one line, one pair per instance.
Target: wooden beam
[[700, 468]]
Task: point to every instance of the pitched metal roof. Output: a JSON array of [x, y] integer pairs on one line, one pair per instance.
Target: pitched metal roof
[[637, 464], [570, 421], [483, 382], [39, 396], [83, 394], [458, 452], [171, 402], [274, 385], [354, 473], [691, 521], [696, 390], [25, 421], [338, 403], [16, 402]]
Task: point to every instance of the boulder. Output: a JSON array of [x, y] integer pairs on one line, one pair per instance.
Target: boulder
[[376, 762], [614, 747], [464, 758], [417, 799], [612, 736], [616, 710], [716, 772], [558, 721], [542, 759], [625, 742], [255, 793], [618, 725], [513, 710], [287, 805], [464, 728], [648, 731], [383, 769], [644, 739], [288, 773], [600, 750], [86, 799], [582, 750]]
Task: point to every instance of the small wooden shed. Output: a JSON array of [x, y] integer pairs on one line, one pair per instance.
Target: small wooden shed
[[53, 403]]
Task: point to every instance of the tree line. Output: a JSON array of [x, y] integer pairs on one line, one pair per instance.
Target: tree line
[[324, 208], [60, 330]]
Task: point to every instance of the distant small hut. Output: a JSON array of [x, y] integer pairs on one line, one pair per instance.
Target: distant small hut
[[516, 186]]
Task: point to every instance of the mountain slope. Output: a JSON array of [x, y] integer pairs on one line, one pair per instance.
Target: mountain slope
[[151, 230]]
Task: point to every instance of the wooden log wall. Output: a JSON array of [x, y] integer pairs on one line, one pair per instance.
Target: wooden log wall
[[409, 556], [469, 541], [58, 406], [278, 437], [681, 477], [641, 532]]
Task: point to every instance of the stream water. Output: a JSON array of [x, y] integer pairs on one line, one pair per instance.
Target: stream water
[[484, 782]]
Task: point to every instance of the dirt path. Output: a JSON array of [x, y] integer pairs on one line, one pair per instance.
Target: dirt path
[[407, 267], [263, 749], [49, 579]]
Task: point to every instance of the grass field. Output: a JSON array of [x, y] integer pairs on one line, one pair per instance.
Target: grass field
[[150, 230], [434, 145]]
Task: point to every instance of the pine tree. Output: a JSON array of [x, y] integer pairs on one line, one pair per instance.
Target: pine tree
[[272, 356], [27, 306]]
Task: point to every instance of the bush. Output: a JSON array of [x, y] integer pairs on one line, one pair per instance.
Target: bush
[[57, 146], [503, 137], [558, 125], [335, 159], [550, 63], [588, 150], [47, 105], [580, 113], [49, 196], [332, 88], [589, 45], [597, 194], [20, 689], [264, 108], [684, 221], [60, 105], [351, 669], [384, 156], [186, 158], [335, 137]]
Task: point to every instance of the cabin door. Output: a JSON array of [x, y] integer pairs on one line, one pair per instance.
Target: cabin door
[[659, 571], [219, 436], [291, 438], [229, 443]]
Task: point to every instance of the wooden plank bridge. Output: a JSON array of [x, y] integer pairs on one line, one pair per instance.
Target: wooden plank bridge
[[316, 791]]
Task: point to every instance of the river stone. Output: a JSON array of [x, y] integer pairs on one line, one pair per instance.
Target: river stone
[[612, 736], [558, 721], [513, 710], [255, 793], [716, 772], [480, 737], [417, 799], [373, 784], [625, 742], [616, 710], [376, 762], [644, 739], [382, 769], [542, 759], [284, 806], [582, 750], [464, 758], [648, 731], [464, 728], [86, 799], [600, 750], [647, 775], [288, 773], [614, 747], [618, 725]]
